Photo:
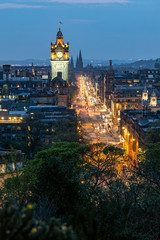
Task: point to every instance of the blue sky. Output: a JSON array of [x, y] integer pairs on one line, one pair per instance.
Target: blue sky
[[103, 29]]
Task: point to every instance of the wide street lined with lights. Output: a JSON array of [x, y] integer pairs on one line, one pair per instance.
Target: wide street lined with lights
[[96, 122]]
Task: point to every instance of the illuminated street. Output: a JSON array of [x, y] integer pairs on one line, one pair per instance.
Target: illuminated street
[[96, 122]]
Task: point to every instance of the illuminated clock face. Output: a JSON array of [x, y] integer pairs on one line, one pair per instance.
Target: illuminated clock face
[[59, 54]]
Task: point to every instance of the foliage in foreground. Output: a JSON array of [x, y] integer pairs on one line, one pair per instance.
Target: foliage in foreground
[[19, 224], [80, 185]]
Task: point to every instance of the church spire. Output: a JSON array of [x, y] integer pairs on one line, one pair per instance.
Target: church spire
[[77, 62], [80, 60]]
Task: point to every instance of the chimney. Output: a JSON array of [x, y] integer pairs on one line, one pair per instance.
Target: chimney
[[30, 76], [110, 64]]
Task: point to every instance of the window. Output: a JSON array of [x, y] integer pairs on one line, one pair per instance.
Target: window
[[2, 168]]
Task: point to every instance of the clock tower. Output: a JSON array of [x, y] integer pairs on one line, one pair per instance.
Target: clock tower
[[59, 58]]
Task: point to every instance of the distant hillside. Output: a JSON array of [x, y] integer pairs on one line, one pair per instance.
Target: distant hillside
[[96, 62], [93, 62], [26, 62], [141, 64], [128, 64]]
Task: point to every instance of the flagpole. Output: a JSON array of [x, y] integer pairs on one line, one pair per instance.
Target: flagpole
[[60, 25]]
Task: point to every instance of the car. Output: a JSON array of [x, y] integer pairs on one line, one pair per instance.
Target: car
[[121, 160], [124, 168], [128, 173]]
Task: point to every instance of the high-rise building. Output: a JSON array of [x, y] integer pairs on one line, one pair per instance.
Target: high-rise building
[[59, 58]]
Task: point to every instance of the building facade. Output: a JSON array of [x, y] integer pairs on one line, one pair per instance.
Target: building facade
[[125, 97], [134, 127], [109, 85]]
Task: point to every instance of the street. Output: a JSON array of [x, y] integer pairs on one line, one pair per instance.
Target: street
[[95, 120]]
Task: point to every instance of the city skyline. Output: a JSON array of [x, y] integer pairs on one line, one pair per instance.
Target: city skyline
[[104, 29]]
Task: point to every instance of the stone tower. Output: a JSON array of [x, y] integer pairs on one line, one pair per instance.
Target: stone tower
[[153, 100], [145, 94], [59, 58]]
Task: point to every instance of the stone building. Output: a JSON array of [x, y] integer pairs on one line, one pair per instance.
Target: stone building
[[125, 97], [134, 125]]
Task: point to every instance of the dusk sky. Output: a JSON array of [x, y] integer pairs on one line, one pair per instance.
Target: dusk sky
[[102, 29]]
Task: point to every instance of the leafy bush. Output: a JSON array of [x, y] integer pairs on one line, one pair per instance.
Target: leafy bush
[[19, 224]]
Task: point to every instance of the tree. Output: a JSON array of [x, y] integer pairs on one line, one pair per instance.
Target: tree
[[153, 134], [101, 163], [149, 166], [79, 185]]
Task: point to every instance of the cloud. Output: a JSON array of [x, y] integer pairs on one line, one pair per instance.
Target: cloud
[[82, 21], [28, 4], [89, 1], [17, 6]]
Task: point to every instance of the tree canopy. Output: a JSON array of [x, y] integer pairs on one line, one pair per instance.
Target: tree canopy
[[80, 185]]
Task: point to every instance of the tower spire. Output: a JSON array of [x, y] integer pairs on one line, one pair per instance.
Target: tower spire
[[80, 60], [77, 62], [72, 64], [60, 25]]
